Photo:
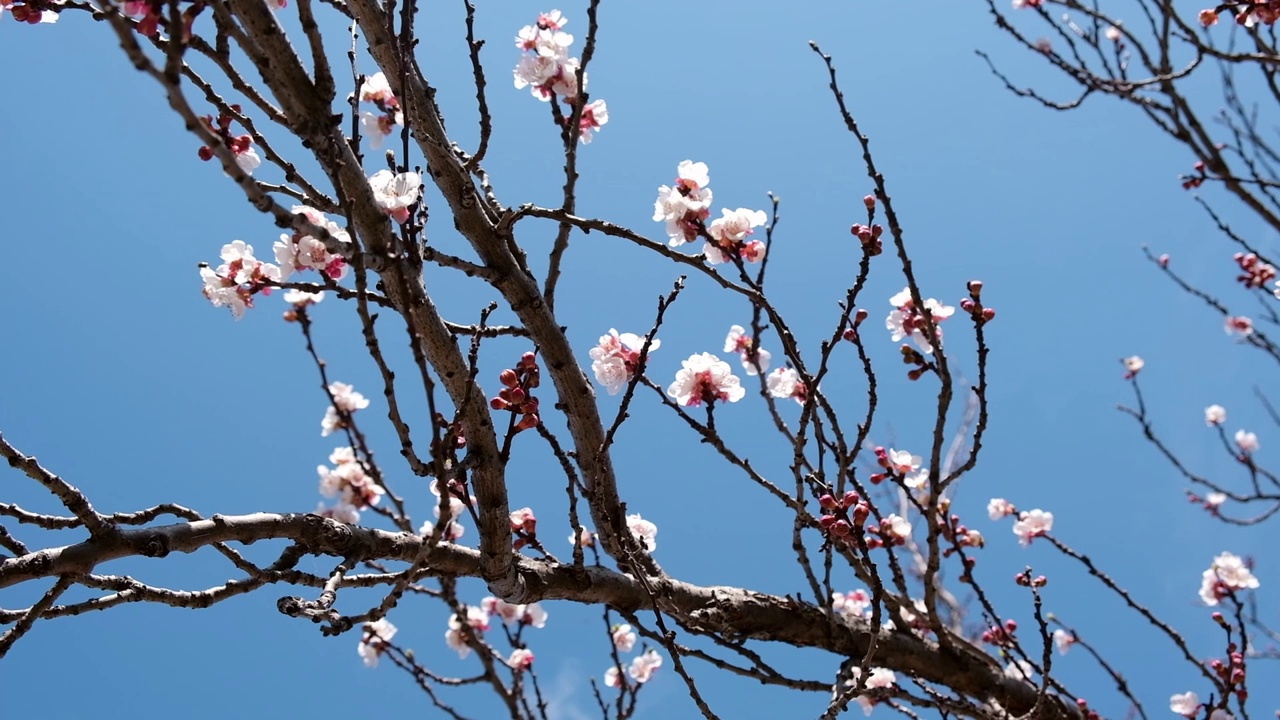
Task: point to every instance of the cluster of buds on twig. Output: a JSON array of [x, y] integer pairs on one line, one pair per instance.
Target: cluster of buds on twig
[[973, 304], [240, 145], [448, 430], [1001, 636], [1253, 272], [852, 333], [1025, 580], [1232, 672], [515, 395], [1086, 711], [911, 356], [962, 535], [842, 517], [1194, 181], [869, 236], [31, 12]]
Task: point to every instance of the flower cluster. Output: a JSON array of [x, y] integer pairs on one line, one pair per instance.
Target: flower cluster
[[240, 145], [854, 604], [841, 517], [880, 683], [471, 623], [241, 275], [516, 395], [999, 508], [374, 640], [755, 360], [1253, 272], [396, 193], [1227, 574], [705, 378], [348, 480], [1032, 524], [548, 71], [897, 464], [1001, 635], [31, 12], [641, 669], [685, 207], [907, 320], [298, 251], [345, 402], [377, 126], [616, 358]]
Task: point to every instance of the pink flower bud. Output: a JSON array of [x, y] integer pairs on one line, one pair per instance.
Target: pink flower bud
[[870, 202]]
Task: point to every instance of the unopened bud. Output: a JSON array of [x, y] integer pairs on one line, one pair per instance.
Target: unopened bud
[[870, 202]]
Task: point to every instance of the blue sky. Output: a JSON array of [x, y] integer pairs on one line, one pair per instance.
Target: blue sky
[[118, 375]]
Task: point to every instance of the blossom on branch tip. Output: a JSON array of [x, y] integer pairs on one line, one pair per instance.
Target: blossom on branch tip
[[853, 604], [1032, 524], [594, 116], [705, 378], [1215, 415], [302, 298], [375, 89], [1227, 574], [476, 620], [1132, 366], [584, 537], [1247, 442], [374, 640]]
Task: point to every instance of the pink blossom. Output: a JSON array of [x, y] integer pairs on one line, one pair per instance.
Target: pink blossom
[[624, 638], [895, 528], [1133, 365], [1187, 704], [1227, 574], [1032, 524], [902, 461], [853, 604], [685, 205], [645, 532], [374, 640], [1063, 640], [345, 399], [877, 679], [1247, 442], [616, 358], [908, 321], [740, 342], [395, 193], [728, 236], [584, 537], [999, 507], [521, 658], [299, 251], [594, 116], [644, 666], [785, 383], [1215, 415], [240, 276], [705, 378], [1238, 326]]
